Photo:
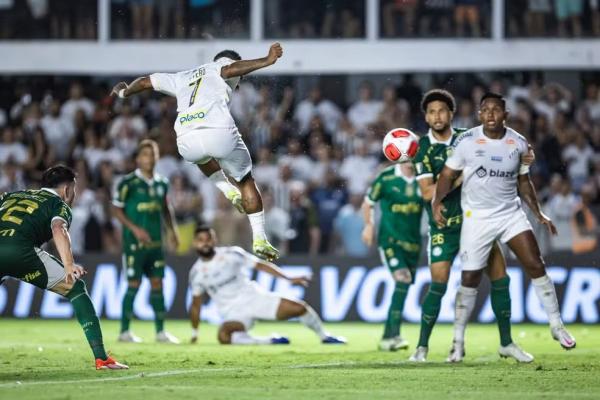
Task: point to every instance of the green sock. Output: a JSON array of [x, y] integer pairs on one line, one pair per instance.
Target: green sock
[[157, 301], [501, 306], [430, 311], [127, 308], [86, 315], [394, 319]]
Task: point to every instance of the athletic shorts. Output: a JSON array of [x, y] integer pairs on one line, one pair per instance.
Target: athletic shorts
[[443, 244], [144, 262], [395, 258], [31, 265], [479, 234], [224, 145], [253, 304]]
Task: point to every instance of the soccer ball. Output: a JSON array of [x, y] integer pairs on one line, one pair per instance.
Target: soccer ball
[[400, 145]]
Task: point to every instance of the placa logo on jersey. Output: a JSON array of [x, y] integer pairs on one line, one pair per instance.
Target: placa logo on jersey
[[186, 118]]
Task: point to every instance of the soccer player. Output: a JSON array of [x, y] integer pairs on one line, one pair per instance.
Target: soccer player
[[28, 219], [399, 238], [140, 204], [221, 273], [494, 182], [206, 132], [439, 106]]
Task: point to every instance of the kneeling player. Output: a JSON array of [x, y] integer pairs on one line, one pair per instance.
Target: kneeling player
[[219, 272]]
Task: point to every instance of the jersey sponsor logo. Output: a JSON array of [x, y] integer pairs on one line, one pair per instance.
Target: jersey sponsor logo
[[190, 117], [31, 276], [480, 153], [497, 158], [408, 208], [493, 173]]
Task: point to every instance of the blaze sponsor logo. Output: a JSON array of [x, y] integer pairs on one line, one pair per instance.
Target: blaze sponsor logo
[[493, 173]]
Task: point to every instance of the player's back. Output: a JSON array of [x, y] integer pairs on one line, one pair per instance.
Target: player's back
[[26, 216]]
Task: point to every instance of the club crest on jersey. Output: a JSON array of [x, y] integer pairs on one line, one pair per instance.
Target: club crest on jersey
[[481, 172], [160, 191]]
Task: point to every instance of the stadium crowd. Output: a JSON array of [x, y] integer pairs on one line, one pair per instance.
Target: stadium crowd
[[313, 158]]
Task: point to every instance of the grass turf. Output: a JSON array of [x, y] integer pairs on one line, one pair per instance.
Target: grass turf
[[51, 360]]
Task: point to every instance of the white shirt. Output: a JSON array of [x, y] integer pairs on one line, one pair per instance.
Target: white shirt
[[329, 113], [225, 277], [203, 96], [490, 171], [578, 160], [58, 132], [363, 113]]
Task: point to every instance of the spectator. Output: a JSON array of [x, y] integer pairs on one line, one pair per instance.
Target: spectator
[[569, 11], [561, 208], [435, 18], [77, 102], [58, 131], [304, 223], [11, 148], [277, 223], [328, 199], [365, 110], [358, 169], [265, 170], [536, 16], [127, 130], [299, 162], [395, 113], [316, 105], [232, 227], [348, 227], [407, 10], [11, 178], [467, 12], [141, 18], [465, 116], [578, 155], [584, 224]]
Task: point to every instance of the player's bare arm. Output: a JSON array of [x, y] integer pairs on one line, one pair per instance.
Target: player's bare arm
[[140, 233], [528, 194], [62, 240], [122, 89], [368, 232], [169, 217], [195, 309], [244, 67], [445, 184], [274, 270]]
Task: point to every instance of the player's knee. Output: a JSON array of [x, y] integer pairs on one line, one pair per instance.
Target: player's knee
[[77, 289], [403, 275], [300, 308], [246, 179], [471, 278]]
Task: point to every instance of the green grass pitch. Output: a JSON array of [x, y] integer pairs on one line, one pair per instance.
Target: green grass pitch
[[43, 359]]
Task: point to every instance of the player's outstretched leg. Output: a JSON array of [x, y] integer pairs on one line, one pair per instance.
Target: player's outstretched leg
[[127, 313], [157, 301], [234, 332], [391, 340], [525, 247], [215, 174], [463, 308], [308, 316]]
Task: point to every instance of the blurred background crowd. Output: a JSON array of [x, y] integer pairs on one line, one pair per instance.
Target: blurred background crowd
[[316, 146], [205, 19]]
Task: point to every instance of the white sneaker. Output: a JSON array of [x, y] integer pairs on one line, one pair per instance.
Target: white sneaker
[[514, 351], [420, 355], [166, 337], [393, 344], [457, 352], [566, 340], [129, 337]]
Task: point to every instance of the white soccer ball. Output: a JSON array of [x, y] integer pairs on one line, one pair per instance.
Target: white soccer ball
[[400, 145]]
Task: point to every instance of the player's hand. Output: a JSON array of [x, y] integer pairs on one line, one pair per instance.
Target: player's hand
[[115, 91], [544, 220], [74, 272], [141, 235], [438, 214], [367, 234], [301, 281], [275, 52], [529, 158]]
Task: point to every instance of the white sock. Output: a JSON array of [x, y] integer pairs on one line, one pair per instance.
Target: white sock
[[463, 307], [257, 222], [241, 337], [221, 182], [311, 320], [546, 293]]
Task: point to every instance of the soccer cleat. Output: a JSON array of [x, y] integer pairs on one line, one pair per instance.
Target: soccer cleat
[[420, 354], [562, 336], [129, 337], [514, 351], [457, 352], [333, 340], [264, 249], [109, 363], [235, 197], [280, 340], [166, 337], [393, 344]]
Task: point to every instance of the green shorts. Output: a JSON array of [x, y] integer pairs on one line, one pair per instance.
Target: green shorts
[[30, 264], [148, 262], [443, 244], [395, 257]]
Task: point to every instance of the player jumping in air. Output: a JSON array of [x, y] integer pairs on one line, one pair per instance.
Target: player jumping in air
[[399, 238], [29, 218], [140, 204], [206, 132], [444, 240], [494, 182], [220, 272]]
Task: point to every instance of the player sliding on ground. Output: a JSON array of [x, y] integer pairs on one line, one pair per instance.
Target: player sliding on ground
[[206, 132], [221, 272], [438, 106], [29, 218], [399, 238], [494, 182]]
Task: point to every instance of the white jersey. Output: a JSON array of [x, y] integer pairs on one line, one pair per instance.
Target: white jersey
[[225, 277], [490, 171], [203, 96]]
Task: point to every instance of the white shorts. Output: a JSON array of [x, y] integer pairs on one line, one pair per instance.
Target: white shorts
[[224, 145], [254, 304], [477, 236]]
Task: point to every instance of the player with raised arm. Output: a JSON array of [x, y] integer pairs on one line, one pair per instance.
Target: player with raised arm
[[221, 272], [30, 218], [140, 204], [206, 132], [438, 106], [398, 238], [494, 182]]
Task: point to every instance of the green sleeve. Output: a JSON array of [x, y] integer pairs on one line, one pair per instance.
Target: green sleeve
[[421, 161], [62, 211], [374, 191], [121, 193]]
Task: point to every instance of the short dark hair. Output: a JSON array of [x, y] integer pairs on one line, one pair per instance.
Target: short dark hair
[[228, 54], [438, 95], [203, 228], [492, 95], [57, 175]]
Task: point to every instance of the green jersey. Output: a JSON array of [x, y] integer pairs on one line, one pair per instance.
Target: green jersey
[[26, 216], [401, 207], [429, 162], [143, 201]]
